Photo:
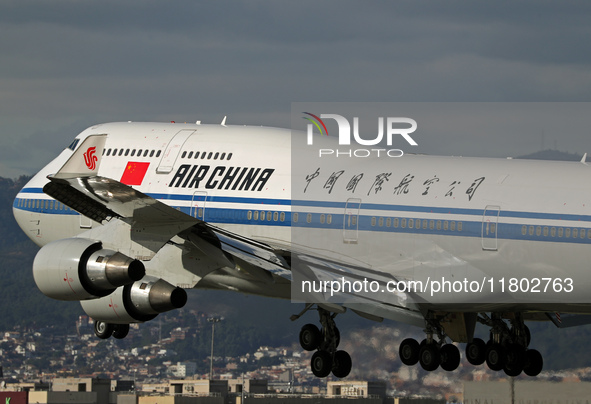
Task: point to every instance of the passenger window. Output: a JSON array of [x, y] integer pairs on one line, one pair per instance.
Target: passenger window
[[452, 225], [431, 224], [322, 218], [328, 218], [389, 222], [445, 225], [282, 216], [133, 153], [223, 156], [531, 230], [249, 215], [196, 155], [184, 155], [127, 152], [209, 155], [158, 153], [524, 230], [575, 233], [582, 233], [152, 153], [269, 216], [295, 217], [121, 152], [275, 216], [381, 222], [229, 156], [560, 232], [553, 231], [309, 218], [190, 155], [373, 221], [256, 215], [395, 222], [403, 223], [410, 223], [439, 225], [460, 226], [545, 231], [567, 232], [216, 156]]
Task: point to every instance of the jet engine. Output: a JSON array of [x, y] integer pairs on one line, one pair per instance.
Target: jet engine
[[141, 301], [80, 269]]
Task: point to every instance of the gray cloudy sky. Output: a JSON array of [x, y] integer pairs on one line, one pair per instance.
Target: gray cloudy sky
[[66, 65]]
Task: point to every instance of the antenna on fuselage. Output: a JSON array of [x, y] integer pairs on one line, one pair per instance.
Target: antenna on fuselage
[[224, 121], [583, 160]]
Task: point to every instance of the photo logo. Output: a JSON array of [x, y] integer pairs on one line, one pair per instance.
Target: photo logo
[[90, 159], [389, 127]]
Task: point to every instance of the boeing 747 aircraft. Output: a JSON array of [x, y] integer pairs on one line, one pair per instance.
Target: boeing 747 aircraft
[[132, 214]]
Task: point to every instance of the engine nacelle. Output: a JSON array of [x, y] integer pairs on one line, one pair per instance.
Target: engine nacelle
[[141, 301], [79, 269]]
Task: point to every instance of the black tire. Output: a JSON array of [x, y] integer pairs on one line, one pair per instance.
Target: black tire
[[496, 357], [533, 362], [120, 331], [103, 330], [476, 352], [321, 364], [409, 351], [429, 357], [342, 364], [310, 337], [450, 357], [515, 360]]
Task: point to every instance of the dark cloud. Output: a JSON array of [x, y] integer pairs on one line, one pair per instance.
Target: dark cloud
[[67, 64]]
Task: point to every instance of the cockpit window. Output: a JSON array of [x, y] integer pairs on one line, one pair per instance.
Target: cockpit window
[[73, 145]]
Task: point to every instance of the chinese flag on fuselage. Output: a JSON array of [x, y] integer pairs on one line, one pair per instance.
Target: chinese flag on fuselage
[[134, 173]]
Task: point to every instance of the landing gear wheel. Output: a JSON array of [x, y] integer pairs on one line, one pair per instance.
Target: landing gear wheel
[[496, 357], [409, 351], [120, 331], [450, 357], [321, 364], [342, 364], [310, 337], [429, 357], [515, 360], [103, 330], [476, 352], [533, 362]]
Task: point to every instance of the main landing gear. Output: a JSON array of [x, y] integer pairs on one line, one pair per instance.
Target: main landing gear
[[507, 348], [430, 353], [325, 341], [107, 330]]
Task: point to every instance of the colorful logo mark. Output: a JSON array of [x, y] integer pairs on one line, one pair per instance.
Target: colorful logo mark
[[316, 123], [90, 159]]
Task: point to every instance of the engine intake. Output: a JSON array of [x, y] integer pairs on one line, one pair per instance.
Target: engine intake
[[80, 269], [141, 301]]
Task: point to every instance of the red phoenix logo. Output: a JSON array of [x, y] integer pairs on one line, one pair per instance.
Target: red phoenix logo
[[90, 159]]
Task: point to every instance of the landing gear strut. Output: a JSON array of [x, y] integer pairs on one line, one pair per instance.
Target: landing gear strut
[[325, 341]]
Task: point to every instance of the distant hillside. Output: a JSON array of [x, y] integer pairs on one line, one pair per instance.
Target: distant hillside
[[552, 155]]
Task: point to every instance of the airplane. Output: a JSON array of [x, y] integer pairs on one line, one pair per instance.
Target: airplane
[[130, 215]]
